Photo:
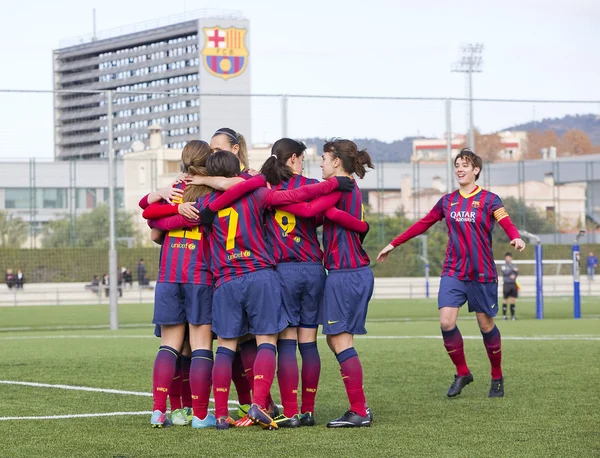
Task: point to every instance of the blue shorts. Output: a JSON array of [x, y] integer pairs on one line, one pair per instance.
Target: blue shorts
[[346, 300], [176, 303], [302, 286], [482, 297], [250, 303]]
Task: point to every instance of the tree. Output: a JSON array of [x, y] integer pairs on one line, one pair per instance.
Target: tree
[[488, 147], [88, 230], [575, 142], [525, 217], [537, 140], [13, 231]]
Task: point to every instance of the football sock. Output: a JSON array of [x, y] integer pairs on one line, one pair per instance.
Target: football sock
[[264, 373], [504, 309], [352, 375], [512, 309], [221, 376], [287, 375], [175, 388], [186, 391], [162, 376], [311, 370], [453, 342], [493, 345], [248, 354], [200, 381], [242, 385]]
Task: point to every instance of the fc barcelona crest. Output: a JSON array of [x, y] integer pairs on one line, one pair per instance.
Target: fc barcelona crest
[[475, 204], [225, 54]]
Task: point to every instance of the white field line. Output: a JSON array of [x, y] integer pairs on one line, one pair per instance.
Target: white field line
[[523, 338], [84, 415]]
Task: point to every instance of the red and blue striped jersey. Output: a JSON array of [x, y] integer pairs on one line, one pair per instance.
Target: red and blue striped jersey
[[236, 240], [470, 219], [184, 256], [292, 238], [343, 249]]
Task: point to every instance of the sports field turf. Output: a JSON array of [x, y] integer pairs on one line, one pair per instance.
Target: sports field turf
[[551, 407]]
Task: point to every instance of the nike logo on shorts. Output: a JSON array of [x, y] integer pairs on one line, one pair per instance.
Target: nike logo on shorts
[[332, 322]]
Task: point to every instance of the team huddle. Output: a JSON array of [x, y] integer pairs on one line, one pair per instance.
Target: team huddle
[[241, 262]]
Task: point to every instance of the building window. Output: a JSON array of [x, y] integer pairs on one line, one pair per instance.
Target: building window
[[51, 198], [17, 198], [86, 198]]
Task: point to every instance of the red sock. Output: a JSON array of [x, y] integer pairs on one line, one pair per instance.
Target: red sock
[[311, 370], [175, 388], [162, 376], [264, 373], [200, 381], [186, 390], [453, 342], [287, 375], [493, 345], [248, 356], [352, 375], [242, 385], [221, 376]]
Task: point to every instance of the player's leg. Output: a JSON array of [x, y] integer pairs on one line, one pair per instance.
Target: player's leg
[[169, 313], [186, 361], [483, 299], [345, 304], [452, 295], [221, 377], [199, 313], [513, 302], [505, 300]]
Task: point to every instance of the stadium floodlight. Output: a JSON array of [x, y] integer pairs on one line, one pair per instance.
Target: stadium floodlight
[[469, 63]]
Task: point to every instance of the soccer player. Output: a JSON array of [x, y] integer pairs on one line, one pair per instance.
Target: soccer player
[[510, 292], [183, 297], [226, 139], [247, 297], [349, 284], [469, 273], [299, 261]]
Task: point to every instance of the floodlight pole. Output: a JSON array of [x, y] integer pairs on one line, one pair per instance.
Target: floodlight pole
[[113, 275], [469, 63], [539, 274], [576, 272]]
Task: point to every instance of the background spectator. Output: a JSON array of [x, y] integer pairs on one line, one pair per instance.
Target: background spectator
[[9, 278], [19, 279]]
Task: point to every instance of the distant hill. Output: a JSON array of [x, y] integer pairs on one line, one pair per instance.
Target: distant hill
[[401, 150], [588, 123]]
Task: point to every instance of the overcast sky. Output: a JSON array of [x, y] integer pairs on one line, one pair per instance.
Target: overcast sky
[[533, 50]]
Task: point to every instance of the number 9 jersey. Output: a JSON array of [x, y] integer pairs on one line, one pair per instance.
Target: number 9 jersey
[[293, 239]]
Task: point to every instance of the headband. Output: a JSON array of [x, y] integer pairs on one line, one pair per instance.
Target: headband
[[233, 137]]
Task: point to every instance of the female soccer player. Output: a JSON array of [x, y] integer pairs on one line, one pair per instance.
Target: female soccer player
[[226, 139], [247, 298], [299, 259], [469, 272], [183, 295]]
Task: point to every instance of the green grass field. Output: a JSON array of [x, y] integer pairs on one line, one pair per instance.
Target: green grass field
[[551, 407]]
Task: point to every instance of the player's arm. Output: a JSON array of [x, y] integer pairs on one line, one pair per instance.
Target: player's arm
[[436, 214], [313, 208], [270, 199], [500, 215], [218, 183], [242, 188], [157, 236]]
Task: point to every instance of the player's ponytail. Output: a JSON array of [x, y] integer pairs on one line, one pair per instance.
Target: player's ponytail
[[353, 160], [243, 151], [275, 169], [193, 158]]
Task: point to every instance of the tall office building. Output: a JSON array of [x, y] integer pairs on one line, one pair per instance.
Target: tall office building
[[188, 56]]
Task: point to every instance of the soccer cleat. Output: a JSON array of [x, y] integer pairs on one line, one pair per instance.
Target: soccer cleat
[[285, 422], [188, 412], [244, 421], [179, 418], [350, 420], [504, 317], [159, 419], [209, 422], [243, 410], [262, 417], [224, 422], [497, 388], [370, 414], [307, 419], [273, 410], [514, 318], [458, 384]]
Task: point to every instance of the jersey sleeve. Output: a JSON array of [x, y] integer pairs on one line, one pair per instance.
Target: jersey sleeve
[[501, 216], [314, 207], [346, 220], [302, 194], [237, 191], [498, 210], [172, 222], [160, 210], [436, 214], [144, 202]]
